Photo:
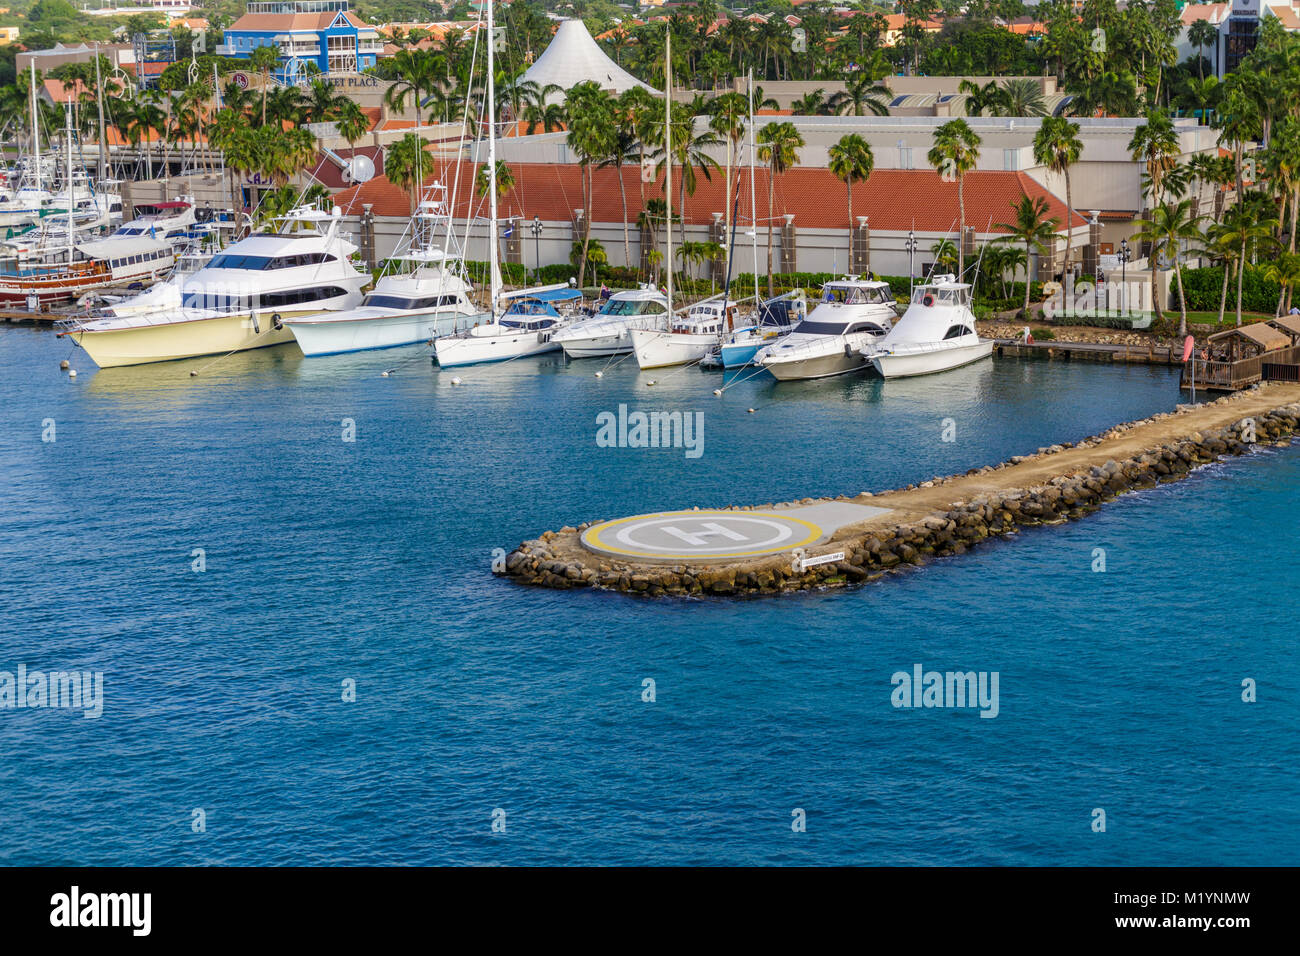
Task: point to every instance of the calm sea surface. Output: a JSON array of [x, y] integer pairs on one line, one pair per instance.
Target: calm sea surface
[[330, 561]]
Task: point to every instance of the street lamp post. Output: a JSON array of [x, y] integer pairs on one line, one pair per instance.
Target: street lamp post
[[1123, 276], [911, 250], [536, 227]]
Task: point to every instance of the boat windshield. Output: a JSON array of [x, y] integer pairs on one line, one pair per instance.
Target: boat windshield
[[820, 328], [407, 302], [854, 295], [632, 307], [942, 295]]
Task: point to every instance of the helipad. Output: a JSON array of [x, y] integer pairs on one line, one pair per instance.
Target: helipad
[[710, 537]]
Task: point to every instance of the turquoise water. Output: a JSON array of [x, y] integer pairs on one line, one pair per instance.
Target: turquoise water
[[329, 561]]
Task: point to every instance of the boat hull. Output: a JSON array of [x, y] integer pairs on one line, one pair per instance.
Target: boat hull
[[738, 356], [820, 366], [929, 361], [335, 336], [455, 351], [170, 342], [597, 346], [658, 349]]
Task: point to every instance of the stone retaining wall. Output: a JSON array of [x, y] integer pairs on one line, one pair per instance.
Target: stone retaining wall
[[557, 560]]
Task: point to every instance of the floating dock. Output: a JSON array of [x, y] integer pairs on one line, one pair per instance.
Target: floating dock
[[800, 545]]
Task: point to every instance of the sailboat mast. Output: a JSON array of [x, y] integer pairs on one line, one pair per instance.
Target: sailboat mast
[[493, 269], [668, 156], [753, 196], [102, 172], [36, 138], [68, 182]]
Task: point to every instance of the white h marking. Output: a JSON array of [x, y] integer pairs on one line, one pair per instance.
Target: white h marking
[[697, 539]]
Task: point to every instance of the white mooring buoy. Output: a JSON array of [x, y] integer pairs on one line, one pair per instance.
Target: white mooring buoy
[[751, 411], [383, 374], [456, 380], [72, 373], [717, 391], [600, 375]]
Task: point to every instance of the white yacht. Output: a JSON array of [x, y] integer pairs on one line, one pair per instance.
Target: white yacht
[[936, 333], [527, 327], [420, 296], [686, 339], [852, 314], [239, 300], [609, 331]]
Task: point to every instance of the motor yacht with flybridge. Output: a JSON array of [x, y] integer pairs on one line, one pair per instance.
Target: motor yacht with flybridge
[[852, 314], [609, 331], [936, 333], [240, 299], [421, 294]]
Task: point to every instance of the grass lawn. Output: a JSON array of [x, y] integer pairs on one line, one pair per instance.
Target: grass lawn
[[1229, 317]]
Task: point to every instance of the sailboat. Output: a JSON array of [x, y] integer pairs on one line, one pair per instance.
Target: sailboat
[[692, 337], [531, 318]]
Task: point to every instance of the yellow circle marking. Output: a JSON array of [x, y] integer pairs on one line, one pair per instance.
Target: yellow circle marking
[[594, 534]]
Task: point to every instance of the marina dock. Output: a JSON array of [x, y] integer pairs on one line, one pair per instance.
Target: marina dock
[[808, 544], [1088, 352]]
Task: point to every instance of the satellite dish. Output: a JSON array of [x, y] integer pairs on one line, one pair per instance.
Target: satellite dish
[[360, 169]]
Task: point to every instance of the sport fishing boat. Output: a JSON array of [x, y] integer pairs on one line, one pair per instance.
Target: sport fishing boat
[[239, 300], [852, 314], [421, 295], [776, 317], [608, 332], [527, 327], [688, 338], [936, 333]]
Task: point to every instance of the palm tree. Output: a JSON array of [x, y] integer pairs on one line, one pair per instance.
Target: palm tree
[[810, 104], [351, 121], [1032, 226], [591, 128], [1171, 229], [990, 97], [1024, 97], [779, 145], [955, 152], [1222, 248], [1200, 34], [1285, 271], [262, 59], [1058, 147], [414, 72], [1239, 229], [945, 254], [407, 164], [622, 146], [851, 160], [862, 94], [1155, 145]]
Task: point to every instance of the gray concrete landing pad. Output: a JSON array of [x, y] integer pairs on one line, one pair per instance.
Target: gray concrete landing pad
[[718, 537]]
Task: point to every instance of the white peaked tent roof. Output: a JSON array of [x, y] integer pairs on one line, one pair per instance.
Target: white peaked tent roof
[[574, 57]]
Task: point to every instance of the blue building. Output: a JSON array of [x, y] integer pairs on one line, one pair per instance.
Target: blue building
[[324, 33]]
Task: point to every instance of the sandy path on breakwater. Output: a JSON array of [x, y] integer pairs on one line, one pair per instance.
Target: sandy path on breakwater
[[1039, 470]]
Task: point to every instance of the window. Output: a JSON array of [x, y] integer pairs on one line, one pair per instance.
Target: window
[[402, 302], [1011, 159], [956, 332]]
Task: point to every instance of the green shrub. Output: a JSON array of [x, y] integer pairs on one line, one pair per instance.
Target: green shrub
[[1203, 287], [1044, 334]]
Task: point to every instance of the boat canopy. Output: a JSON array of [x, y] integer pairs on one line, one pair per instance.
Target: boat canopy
[[121, 247], [550, 295]]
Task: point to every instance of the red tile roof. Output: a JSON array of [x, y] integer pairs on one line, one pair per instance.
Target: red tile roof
[[893, 199]]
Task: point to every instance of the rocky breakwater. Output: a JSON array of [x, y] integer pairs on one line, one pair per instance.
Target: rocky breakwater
[[947, 515]]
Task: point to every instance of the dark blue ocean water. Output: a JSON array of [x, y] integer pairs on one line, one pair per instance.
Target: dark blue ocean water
[[369, 561]]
